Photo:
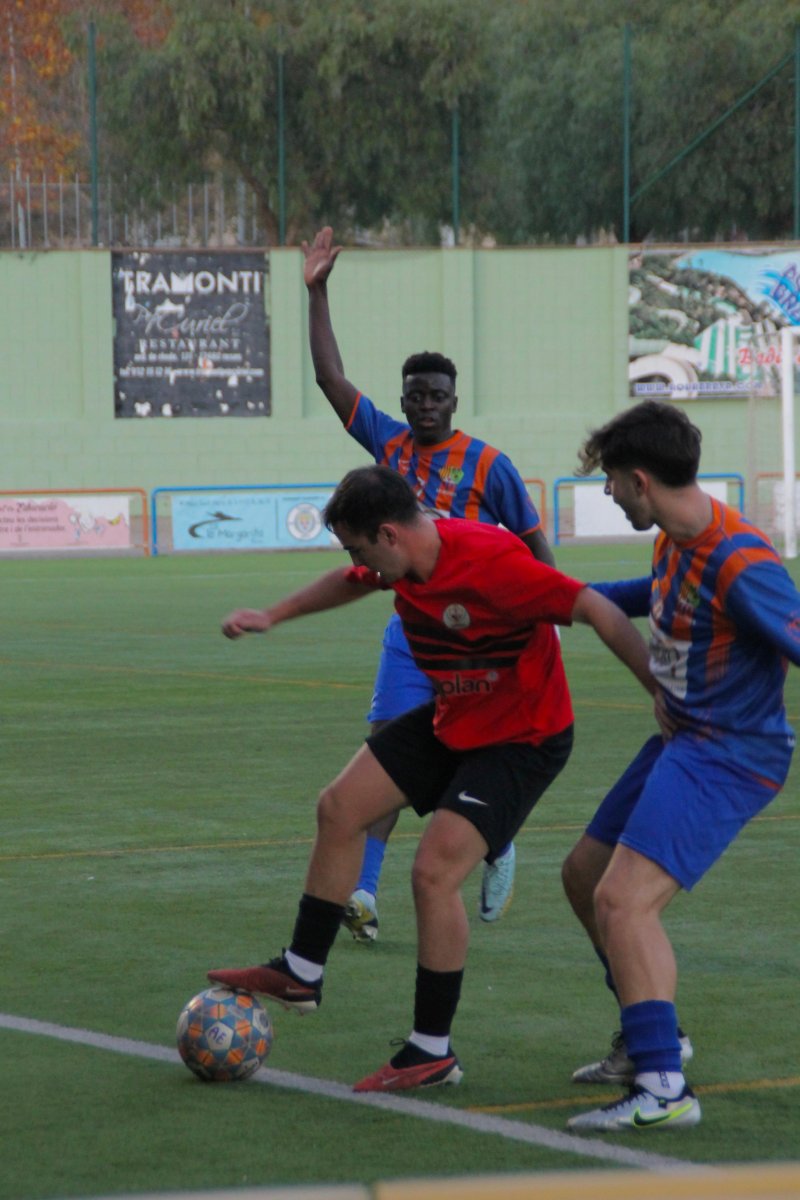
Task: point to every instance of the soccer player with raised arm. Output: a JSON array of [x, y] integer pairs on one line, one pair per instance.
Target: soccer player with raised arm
[[724, 619], [454, 475], [479, 613]]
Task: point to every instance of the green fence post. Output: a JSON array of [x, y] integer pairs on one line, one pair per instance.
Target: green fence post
[[455, 137], [626, 134], [281, 156], [93, 131]]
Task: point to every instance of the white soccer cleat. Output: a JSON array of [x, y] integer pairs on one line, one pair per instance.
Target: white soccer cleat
[[617, 1067], [497, 886], [640, 1109]]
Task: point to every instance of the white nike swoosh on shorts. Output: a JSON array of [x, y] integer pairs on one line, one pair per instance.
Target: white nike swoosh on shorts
[[467, 799]]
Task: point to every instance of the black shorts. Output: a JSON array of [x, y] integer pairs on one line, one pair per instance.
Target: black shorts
[[494, 787]]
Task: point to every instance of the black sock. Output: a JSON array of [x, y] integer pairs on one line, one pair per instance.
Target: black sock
[[315, 929], [436, 1000]]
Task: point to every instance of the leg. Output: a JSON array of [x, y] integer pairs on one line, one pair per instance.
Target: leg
[[399, 687], [582, 871], [449, 849], [483, 803], [360, 794], [629, 901]]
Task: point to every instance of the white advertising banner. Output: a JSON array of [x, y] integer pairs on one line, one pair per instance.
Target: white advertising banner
[[69, 522], [597, 516]]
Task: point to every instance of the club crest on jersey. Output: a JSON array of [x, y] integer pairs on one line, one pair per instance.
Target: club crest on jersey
[[455, 616], [688, 599], [451, 476]]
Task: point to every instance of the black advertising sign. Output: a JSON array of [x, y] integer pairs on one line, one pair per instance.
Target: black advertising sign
[[191, 337]]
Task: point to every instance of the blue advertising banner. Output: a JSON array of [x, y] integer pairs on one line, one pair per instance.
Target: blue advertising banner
[[268, 519], [707, 322]]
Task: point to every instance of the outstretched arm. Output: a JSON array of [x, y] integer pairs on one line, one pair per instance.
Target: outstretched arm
[[328, 367], [329, 591], [619, 634]]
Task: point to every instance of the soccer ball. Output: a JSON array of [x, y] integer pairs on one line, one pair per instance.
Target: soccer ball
[[223, 1035]]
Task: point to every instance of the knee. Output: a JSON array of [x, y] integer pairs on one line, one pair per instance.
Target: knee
[[571, 877], [427, 877], [332, 812], [609, 904], [578, 880]]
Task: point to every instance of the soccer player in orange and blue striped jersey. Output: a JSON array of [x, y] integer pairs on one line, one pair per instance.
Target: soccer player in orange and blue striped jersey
[[724, 620]]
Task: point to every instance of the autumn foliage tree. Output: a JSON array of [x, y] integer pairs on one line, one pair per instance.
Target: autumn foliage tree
[[42, 76], [36, 61]]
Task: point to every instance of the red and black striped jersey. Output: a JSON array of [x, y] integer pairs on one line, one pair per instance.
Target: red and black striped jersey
[[481, 629]]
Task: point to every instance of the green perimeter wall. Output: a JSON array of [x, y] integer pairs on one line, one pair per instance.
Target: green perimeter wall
[[539, 337]]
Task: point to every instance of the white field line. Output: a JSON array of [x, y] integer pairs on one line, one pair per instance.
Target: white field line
[[517, 1131]]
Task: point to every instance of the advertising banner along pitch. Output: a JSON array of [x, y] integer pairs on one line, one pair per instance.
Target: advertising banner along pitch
[[191, 334], [706, 321]]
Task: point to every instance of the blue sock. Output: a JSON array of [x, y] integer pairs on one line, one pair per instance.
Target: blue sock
[[371, 866], [650, 1030]]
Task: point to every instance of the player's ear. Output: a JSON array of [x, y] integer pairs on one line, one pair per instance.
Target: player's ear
[[388, 533], [455, 403], [641, 481]]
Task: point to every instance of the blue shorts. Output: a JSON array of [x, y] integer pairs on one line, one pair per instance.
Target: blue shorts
[[399, 684], [681, 803]]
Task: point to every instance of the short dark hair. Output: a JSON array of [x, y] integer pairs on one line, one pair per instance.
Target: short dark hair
[[429, 362], [654, 436], [367, 497]]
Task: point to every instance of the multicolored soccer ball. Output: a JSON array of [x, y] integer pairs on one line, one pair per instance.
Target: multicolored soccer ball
[[224, 1035]]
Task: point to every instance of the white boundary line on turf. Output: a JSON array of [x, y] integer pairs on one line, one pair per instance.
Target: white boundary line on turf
[[518, 1131]]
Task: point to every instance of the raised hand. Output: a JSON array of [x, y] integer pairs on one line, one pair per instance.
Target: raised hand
[[320, 257]]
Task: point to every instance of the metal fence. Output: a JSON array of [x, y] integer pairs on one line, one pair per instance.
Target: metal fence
[[41, 213]]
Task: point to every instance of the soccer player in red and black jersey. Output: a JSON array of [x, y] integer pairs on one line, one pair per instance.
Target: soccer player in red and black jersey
[[479, 613], [454, 475]]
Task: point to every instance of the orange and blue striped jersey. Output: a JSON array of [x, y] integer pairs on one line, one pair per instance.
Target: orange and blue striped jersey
[[724, 618], [460, 477]]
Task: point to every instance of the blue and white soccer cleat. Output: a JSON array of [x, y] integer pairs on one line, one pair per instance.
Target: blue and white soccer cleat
[[497, 886], [640, 1109]]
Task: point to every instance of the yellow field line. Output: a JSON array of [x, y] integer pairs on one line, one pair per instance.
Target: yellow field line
[[281, 843], [99, 668], [707, 1089]]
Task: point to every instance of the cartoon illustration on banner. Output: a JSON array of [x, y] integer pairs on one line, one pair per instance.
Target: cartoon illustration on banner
[[706, 322], [64, 523]]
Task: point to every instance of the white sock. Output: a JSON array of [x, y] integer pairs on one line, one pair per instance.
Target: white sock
[[437, 1046], [309, 972], [664, 1084]]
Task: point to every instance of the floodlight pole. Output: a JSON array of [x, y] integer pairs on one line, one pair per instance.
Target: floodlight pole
[[788, 333]]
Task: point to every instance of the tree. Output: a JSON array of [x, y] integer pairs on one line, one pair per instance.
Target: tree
[[37, 59], [369, 87]]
